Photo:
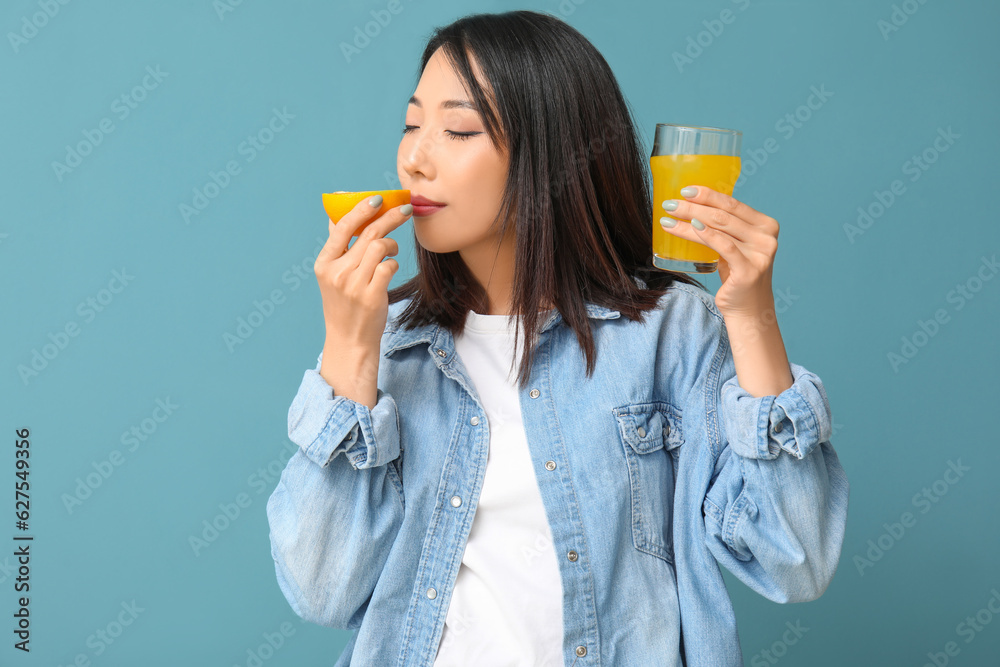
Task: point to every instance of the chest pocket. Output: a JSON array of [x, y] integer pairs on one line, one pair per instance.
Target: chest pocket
[[650, 435]]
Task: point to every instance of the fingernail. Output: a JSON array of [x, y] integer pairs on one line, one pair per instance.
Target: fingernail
[[697, 224], [406, 209], [668, 222], [375, 201], [670, 205], [689, 191]]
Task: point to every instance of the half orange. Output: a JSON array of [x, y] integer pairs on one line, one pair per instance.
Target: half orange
[[338, 204]]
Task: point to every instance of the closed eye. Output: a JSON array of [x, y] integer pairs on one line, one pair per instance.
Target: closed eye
[[455, 135]]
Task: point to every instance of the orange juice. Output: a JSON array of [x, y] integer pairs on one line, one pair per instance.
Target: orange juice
[[670, 174]]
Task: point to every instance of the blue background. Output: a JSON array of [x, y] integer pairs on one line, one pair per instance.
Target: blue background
[[851, 300]]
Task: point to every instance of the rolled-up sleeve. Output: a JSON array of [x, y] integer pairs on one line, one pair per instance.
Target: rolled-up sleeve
[[797, 420], [776, 506], [333, 521], [324, 425]]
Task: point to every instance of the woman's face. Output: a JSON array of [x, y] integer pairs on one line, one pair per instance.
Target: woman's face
[[446, 156]]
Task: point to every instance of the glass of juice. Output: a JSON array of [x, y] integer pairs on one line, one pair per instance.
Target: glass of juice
[[689, 155]]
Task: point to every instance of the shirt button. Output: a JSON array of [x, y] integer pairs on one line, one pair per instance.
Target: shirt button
[[442, 353], [534, 393], [474, 421], [572, 555], [456, 501], [431, 593], [777, 427], [581, 651], [642, 432], [550, 465]]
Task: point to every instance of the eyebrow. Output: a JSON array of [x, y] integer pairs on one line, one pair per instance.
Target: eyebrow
[[447, 104]]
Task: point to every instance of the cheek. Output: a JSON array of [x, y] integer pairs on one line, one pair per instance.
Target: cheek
[[481, 172], [447, 231]]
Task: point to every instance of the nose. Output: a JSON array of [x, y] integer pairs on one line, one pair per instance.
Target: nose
[[415, 155]]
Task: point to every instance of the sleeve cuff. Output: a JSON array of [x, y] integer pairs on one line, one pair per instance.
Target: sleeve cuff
[[324, 425], [797, 420]]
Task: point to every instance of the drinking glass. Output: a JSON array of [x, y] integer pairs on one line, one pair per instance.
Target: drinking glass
[[689, 155]]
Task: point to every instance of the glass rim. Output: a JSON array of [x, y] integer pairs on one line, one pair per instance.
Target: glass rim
[[699, 127]]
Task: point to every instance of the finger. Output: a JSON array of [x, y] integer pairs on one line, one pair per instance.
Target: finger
[[714, 217], [332, 249], [342, 231], [384, 271], [385, 224], [719, 241], [362, 213], [706, 196], [377, 230], [390, 221], [375, 252]]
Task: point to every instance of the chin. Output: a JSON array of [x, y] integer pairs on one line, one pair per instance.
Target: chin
[[435, 243], [436, 237]]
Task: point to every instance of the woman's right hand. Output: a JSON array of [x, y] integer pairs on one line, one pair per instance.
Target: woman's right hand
[[354, 282]]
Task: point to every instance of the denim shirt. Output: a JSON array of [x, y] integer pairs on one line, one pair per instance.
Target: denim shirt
[[653, 472]]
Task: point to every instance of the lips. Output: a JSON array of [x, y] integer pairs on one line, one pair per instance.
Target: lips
[[424, 206]]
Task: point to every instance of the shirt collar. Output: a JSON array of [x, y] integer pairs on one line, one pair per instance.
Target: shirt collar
[[400, 338]]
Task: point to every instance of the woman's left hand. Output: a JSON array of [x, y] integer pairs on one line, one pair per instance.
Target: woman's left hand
[[745, 239]]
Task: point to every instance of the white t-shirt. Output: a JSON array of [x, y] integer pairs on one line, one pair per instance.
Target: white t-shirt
[[506, 608]]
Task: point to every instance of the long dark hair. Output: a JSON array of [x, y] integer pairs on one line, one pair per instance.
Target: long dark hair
[[577, 189]]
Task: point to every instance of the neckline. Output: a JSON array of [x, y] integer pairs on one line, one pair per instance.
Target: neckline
[[480, 323]]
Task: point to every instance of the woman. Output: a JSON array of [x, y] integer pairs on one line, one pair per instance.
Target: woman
[[574, 514]]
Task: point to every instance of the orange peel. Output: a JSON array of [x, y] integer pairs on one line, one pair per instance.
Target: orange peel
[[339, 204]]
